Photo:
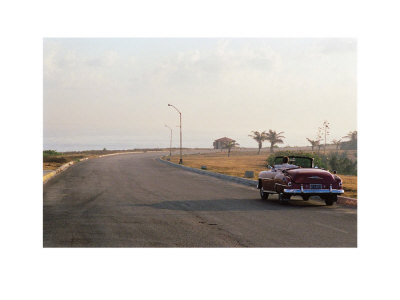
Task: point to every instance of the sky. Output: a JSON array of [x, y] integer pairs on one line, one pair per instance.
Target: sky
[[114, 93]]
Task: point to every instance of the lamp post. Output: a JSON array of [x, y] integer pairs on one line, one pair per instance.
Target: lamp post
[[170, 141], [180, 128]]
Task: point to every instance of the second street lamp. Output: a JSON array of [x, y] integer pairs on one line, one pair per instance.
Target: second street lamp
[[180, 128]]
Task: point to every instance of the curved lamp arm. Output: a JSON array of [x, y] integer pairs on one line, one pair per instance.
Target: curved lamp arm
[[174, 107]]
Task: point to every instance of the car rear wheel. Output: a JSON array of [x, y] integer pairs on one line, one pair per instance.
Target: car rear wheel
[[284, 198], [263, 195], [329, 200]]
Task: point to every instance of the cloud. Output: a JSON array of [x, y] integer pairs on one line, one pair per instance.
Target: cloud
[[106, 59], [217, 65], [69, 68], [337, 46]]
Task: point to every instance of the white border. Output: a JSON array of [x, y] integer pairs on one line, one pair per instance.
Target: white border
[[30, 271]]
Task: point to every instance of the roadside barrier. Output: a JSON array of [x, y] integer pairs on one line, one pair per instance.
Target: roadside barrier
[[347, 201], [249, 174], [50, 175], [249, 182]]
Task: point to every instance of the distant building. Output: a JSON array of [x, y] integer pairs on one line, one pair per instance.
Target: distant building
[[220, 143]]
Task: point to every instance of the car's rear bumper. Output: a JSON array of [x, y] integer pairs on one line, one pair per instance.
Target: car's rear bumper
[[313, 191]]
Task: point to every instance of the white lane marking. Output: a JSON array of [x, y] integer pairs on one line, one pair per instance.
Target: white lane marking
[[330, 227]]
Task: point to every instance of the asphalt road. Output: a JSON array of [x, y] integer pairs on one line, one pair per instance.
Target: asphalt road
[[133, 200]]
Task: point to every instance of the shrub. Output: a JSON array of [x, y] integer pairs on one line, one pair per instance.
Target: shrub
[[342, 164], [53, 158], [50, 152], [333, 161]]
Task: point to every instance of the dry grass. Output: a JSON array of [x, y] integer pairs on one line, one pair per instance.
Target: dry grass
[[51, 165], [349, 185], [241, 161], [219, 162]]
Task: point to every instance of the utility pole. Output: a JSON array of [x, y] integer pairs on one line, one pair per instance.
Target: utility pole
[[180, 129], [170, 141]]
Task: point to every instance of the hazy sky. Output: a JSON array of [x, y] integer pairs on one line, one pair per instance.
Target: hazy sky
[[114, 93]]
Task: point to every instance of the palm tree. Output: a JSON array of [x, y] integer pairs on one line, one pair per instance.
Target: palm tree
[[274, 138], [352, 141], [314, 143], [259, 137], [337, 143], [229, 145], [351, 136]]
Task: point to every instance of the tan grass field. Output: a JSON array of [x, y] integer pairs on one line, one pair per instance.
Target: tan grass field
[[241, 161]]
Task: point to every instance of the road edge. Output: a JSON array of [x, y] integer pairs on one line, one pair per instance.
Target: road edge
[[50, 175], [249, 182]]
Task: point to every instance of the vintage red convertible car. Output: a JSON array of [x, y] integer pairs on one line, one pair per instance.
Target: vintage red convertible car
[[299, 177]]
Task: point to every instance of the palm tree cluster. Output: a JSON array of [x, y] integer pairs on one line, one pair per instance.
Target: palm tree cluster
[[259, 137], [277, 138], [272, 136]]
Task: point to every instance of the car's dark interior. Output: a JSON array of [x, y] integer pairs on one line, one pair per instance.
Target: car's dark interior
[[301, 161]]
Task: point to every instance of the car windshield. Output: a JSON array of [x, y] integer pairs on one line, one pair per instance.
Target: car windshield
[[303, 162]]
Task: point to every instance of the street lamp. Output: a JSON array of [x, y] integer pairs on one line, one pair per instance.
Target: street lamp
[[170, 140], [180, 128]]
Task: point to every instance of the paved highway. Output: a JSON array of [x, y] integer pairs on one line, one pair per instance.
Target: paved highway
[[133, 200]]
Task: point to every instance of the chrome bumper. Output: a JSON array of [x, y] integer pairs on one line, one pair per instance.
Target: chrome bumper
[[313, 191]]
